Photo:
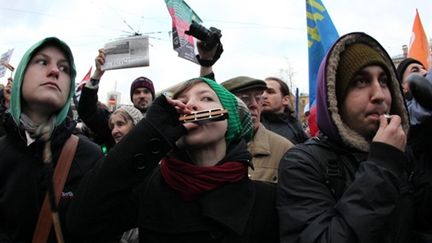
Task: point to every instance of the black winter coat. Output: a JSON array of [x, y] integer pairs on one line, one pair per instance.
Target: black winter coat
[[23, 178], [94, 117], [419, 141], [128, 191], [374, 206], [285, 125]]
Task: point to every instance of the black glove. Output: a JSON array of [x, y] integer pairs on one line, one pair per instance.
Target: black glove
[[421, 90], [209, 63], [165, 118]]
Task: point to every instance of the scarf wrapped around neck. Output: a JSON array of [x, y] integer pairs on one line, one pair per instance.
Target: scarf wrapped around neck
[[35, 130], [191, 181]]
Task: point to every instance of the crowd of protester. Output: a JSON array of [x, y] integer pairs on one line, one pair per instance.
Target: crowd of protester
[[218, 161]]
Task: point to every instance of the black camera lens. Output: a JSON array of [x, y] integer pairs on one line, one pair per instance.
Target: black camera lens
[[209, 37]]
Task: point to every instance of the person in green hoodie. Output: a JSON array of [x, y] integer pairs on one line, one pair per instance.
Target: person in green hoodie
[[37, 128]]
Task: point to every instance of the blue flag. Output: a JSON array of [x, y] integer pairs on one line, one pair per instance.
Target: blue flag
[[321, 36]]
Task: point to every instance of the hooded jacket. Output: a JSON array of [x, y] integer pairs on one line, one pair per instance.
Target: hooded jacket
[[16, 98], [23, 175], [373, 206]]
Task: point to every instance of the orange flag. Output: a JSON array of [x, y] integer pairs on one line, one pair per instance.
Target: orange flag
[[419, 46]]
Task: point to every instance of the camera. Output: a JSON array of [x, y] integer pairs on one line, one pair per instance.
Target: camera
[[209, 37]]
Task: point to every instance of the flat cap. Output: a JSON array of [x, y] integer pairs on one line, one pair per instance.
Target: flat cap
[[243, 83]]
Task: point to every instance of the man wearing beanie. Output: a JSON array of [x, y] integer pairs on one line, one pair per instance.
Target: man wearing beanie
[[405, 70], [267, 148], [141, 93], [346, 184], [417, 86], [407, 66]]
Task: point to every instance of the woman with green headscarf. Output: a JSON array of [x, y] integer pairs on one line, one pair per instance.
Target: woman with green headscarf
[[36, 131], [180, 182]]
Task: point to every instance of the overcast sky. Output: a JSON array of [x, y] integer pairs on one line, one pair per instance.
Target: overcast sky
[[260, 37]]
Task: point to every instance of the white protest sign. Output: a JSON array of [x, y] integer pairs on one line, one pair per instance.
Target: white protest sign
[[4, 62], [127, 53]]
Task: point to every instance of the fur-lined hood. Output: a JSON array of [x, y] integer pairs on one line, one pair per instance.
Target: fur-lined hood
[[328, 117]]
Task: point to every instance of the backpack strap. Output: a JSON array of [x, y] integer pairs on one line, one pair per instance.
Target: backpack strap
[[331, 165], [336, 177], [46, 218]]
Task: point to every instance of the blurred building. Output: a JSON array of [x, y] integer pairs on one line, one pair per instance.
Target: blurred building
[[400, 57], [303, 101], [113, 100]]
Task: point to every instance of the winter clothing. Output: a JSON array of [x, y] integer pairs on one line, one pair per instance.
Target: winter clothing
[[24, 181], [21, 69], [326, 100], [420, 143], [421, 89], [129, 190], [24, 177], [95, 118], [284, 124], [267, 149], [133, 112], [418, 114], [403, 66], [142, 82], [418, 107], [371, 202], [419, 97], [354, 58], [243, 83], [231, 103], [3, 111]]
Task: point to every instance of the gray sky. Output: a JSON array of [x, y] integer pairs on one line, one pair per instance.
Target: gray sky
[[260, 37]]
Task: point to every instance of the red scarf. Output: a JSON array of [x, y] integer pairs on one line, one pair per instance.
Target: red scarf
[[191, 180]]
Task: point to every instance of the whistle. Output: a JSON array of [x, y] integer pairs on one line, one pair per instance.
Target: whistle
[[388, 117], [200, 117]]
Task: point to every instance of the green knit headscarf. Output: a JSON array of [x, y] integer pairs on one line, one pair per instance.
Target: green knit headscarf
[[239, 119], [22, 67]]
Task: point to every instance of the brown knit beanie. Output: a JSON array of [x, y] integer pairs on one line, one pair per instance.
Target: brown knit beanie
[[353, 59]]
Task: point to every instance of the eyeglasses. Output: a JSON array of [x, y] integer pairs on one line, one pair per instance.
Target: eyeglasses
[[249, 97]]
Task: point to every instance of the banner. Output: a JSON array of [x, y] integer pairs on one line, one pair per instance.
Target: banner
[[80, 86], [84, 80], [321, 35], [419, 46], [182, 16], [127, 53], [4, 62]]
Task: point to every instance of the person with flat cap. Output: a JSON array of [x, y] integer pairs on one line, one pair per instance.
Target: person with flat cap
[[267, 148]]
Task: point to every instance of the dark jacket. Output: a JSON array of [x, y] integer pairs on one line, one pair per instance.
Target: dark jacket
[[285, 125], [3, 111], [371, 208], [128, 191], [375, 204], [94, 117], [419, 140], [23, 178]]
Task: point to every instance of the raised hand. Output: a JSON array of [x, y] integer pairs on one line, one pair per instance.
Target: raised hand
[[99, 62], [391, 132]]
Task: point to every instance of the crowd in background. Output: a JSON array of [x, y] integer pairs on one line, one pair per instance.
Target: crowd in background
[[218, 160]]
